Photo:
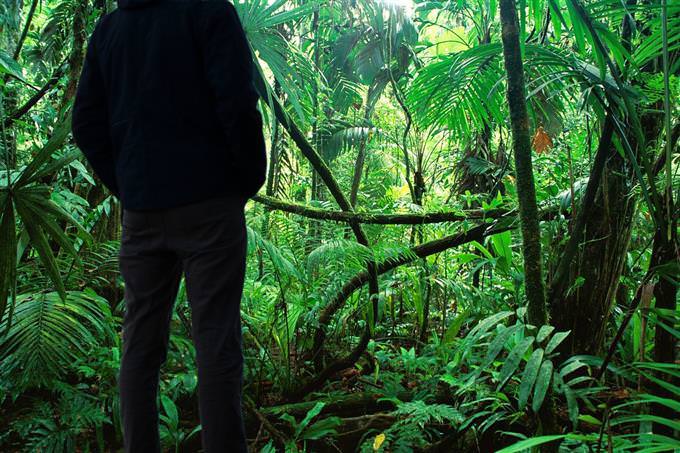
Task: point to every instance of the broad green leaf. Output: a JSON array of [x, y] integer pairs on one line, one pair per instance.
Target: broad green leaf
[[482, 249], [542, 384], [530, 443], [286, 15], [578, 380], [572, 405], [646, 398], [82, 170], [556, 340], [578, 29], [49, 207], [49, 225], [313, 412], [513, 360], [589, 419], [497, 345], [570, 367], [543, 333], [322, 428], [487, 323], [646, 418], [529, 377], [170, 408], [54, 166], [10, 66], [501, 244], [455, 325]]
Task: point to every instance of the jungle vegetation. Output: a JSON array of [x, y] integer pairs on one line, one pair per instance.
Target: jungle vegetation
[[467, 241]]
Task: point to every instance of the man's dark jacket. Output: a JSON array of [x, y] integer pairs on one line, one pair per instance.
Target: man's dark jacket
[[165, 110]]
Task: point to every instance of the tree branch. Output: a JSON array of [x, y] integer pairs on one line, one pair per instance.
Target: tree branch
[[28, 105], [378, 218], [323, 171]]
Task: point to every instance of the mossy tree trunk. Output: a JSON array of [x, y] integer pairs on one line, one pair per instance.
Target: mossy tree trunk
[[537, 313], [526, 190]]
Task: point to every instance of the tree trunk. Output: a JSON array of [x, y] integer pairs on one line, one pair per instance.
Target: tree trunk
[[537, 313], [585, 310], [526, 191], [314, 229], [358, 170], [274, 165], [77, 55], [665, 253]]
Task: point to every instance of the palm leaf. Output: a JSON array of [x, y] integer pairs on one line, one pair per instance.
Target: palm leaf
[[61, 131], [34, 226], [48, 335]]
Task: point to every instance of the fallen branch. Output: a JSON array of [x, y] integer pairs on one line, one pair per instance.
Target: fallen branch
[[340, 405], [362, 423], [271, 429], [377, 218], [337, 365]]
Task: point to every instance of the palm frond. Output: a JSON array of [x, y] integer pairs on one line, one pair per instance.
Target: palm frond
[[48, 334]]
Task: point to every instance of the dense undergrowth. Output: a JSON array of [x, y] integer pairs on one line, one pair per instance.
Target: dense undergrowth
[[387, 304]]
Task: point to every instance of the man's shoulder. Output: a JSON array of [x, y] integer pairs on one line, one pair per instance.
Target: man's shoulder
[[216, 4], [102, 25], [215, 9], [106, 18]]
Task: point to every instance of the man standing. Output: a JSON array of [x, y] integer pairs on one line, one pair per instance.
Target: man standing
[[166, 114]]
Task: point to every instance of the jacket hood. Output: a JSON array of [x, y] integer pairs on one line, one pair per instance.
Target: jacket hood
[[133, 4]]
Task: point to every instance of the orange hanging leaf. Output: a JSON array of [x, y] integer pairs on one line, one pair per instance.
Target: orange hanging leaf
[[541, 141]]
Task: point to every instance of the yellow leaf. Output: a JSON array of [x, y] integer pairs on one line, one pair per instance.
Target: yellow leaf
[[378, 441]]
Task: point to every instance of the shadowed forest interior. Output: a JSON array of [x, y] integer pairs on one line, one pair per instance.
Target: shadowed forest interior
[[467, 240]]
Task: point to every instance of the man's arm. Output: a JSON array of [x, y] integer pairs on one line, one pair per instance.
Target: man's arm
[[228, 65], [90, 125]]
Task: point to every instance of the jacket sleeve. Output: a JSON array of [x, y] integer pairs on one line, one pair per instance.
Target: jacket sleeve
[[228, 65], [89, 123]]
